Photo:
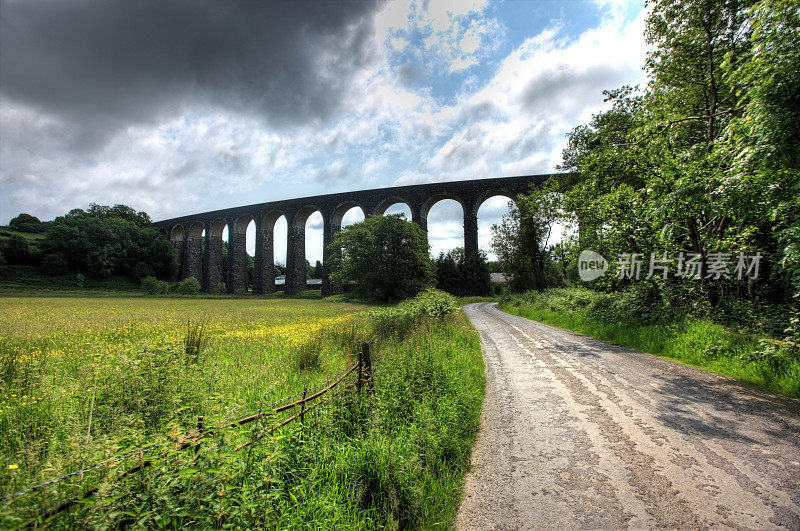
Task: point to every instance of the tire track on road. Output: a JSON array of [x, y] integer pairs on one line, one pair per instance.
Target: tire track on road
[[602, 436]]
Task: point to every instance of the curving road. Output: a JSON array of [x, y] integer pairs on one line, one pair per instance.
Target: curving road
[[577, 433]]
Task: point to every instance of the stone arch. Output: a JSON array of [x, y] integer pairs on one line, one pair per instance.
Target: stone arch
[[428, 204], [216, 228], [296, 247], [482, 227], [490, 194], [391, 201], [237, 254], [302, 215], [241, 223], [342, 209], [177, 234], [263, 272], [268, 220], [196, 230], [163, 232]]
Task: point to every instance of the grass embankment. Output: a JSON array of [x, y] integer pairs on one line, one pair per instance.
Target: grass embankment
[[87, 378], [618, 319]]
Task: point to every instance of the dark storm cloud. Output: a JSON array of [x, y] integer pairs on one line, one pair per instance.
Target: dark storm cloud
[[103, 65]]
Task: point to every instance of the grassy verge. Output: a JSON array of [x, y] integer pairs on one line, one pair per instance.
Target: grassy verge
[[104, 375], [763, 362]]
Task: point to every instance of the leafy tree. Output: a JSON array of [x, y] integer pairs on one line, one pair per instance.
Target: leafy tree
[[18, 251], [761, 150], [385, 256], [319, 272], [447, 271], [54, 265], [520, 242], [110, 240], [463, 276], [26, 223]]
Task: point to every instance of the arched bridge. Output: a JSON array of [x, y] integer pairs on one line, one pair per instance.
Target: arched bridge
[[204, 262]]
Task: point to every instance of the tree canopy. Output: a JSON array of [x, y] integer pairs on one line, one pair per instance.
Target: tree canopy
[[703, 160], [103, 240], [386, 257]]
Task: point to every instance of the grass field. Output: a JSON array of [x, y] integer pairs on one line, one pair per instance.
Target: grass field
[[83, 378], [765, 362]]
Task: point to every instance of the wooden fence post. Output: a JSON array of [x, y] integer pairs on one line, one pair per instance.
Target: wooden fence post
[[360, 366], [303, 407], [367, 364], [199, 434]]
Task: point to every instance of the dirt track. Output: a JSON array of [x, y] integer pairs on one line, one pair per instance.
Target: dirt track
[[577, 433]]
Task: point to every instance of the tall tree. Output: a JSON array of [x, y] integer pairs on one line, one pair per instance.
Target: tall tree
[[386, 257]]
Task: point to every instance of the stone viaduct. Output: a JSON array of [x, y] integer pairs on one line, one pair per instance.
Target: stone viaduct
[[203, 260]]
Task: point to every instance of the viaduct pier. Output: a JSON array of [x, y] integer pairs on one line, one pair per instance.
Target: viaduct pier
[[198, 237]]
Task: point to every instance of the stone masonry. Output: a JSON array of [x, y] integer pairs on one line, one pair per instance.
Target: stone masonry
[[186, 233]]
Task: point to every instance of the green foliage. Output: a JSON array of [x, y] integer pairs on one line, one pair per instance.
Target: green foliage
[[26, 223], [705, 158], [221, 288], [639, 319], [18, 251], [54, 264], [463, 276], [319, 271], [111, 240], [392, 456], [431, 303], [188, 286], [153, 286], [412, 314], [195, 340], [385, 256], [521, 239]]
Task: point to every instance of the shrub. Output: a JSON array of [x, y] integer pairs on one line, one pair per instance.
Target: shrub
[[141, 270], [26, 223], [432, 303], [54, 264], [221, 289], [189, 286], [153, 286], [195, 340], [18, 251]]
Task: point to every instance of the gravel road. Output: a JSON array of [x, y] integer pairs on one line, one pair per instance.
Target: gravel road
[[577, 433]]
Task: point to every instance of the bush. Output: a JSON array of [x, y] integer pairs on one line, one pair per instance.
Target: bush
[[386, 257], [141, 270], [189, 286], [18, 251], [26, 223], [153, 286], [54, 264], [432, 303], [222, 289]]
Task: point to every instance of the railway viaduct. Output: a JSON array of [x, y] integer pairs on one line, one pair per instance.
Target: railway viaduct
[[203, 260]]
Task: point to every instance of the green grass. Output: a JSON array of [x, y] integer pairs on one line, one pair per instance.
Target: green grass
[[6, 233], [692, 341], [27, 279], [104, 374]]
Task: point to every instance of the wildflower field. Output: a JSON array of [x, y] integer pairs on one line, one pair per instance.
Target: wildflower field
[[85, 378]]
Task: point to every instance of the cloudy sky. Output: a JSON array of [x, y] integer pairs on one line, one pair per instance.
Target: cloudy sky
[[180, 106]]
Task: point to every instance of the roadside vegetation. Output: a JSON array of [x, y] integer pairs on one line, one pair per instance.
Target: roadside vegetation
[[88, 378], [619, 318], [702, 165]]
